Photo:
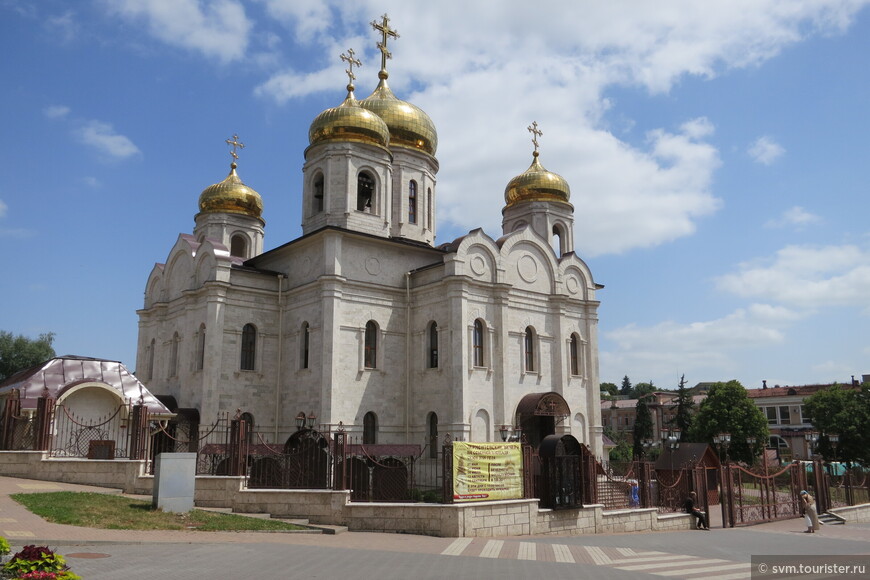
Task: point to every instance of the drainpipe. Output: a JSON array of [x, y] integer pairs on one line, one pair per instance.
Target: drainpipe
[[407, 357], [280, 351]]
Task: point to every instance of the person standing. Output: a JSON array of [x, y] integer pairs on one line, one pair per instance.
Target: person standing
[[810, 516], [691, 508]]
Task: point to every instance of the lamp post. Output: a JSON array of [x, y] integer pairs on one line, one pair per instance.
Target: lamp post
[[811, 437], [834, 438], [504, 430], [312, 418], [300, 420], [722, 441]]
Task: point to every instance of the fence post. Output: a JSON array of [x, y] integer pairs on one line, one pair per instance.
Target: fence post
[[339, 459], [529, 490], [237, 451], [138, 431], [447, 470], [11, 410], [44, 416]]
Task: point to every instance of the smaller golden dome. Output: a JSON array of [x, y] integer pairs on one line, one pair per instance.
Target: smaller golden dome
[[231, 196], [537, 184], [349, 122], [409, 125]]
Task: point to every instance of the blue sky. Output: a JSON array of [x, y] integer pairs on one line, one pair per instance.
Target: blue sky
[[717, 155]]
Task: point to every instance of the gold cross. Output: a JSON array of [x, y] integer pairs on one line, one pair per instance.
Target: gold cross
[[351, 62], [235, 144], [386, 32], [533, 129]]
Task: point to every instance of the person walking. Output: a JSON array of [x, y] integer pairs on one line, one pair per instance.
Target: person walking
[[690, 507], [808, 504]]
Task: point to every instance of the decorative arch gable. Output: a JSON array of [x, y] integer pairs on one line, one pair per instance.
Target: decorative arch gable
[[477, 256], [529, 264], [154, 288]]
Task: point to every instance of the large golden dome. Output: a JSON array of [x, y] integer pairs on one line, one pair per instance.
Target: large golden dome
[[231, 196], [409, 126], [349, 122], [537, 184]]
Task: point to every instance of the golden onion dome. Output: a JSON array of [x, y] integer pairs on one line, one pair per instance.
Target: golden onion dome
[[537, 184], [231, 196], [349, 122], [409, 126]]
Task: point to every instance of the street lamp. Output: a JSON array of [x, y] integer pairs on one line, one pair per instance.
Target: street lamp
[[723, 440], [503, 431], [300, 420], [311, 419], [811, 438], [834, 438]]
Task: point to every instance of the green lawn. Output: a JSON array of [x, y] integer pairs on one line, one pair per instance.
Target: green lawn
[[113, 512]]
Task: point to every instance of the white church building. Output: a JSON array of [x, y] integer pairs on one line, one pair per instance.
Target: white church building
[[364, 320]]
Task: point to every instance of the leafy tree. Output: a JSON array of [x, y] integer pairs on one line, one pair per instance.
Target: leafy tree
[[728, 409], [643, 426], [847, 413], [608, 390], [622, 451], [685, 405], [642, 389], [19, 352], [625, 389]]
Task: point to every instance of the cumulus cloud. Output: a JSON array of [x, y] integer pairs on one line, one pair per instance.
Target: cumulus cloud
[[63, 27], [795, 216], [215, 28], [805, 276], [56, 111], [102, 137], [765, 150]]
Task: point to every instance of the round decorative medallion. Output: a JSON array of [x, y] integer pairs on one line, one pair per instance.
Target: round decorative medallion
[[527, 268], [573, 285], [478, 265], [373, 266]]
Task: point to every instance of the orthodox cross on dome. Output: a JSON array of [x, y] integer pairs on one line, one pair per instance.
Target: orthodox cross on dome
[[235, 143], [351, 62], [386, 32], [533, 129]]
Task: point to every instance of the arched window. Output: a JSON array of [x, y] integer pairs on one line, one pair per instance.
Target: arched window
[[151, 359], [573, 354], [318, 193], [173, 356], [370, 428], [433, 345], [200, 348], [429, 209], [248, 421], [432, 430], [558, 241], [412, 202], [477, 343], [365, 191], [249, 347], [305, 344], [239, 246], [370, 360], [529, 349]]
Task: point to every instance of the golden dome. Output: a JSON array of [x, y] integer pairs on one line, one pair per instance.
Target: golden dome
[[231, 196], [409, 126], [349, 122], [537, 184]]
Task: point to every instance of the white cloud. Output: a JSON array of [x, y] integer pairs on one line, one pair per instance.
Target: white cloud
[[765, 150], [104, 139], [795, 216], [805, 276], [63, 27], [561, 57], [56, 111], [216, 28]]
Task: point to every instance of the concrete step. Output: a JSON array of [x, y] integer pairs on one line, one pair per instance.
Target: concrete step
[[830, 519]]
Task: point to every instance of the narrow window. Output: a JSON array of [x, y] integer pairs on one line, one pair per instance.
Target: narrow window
[[429, 209], [370, 428], [433, 346], [305, 345], [318, 194], [151, 359], [432, 428], [371, 345], [558, 246], [249, 347], [239, 246], [412, 202], [365, 189], [573, 350], [478, 343], [200, 348], [173, 356], [530, 349]]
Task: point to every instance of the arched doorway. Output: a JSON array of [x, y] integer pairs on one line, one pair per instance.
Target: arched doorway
[[539, 413]]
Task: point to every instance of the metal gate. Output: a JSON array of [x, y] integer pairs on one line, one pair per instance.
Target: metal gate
[[751, 498]]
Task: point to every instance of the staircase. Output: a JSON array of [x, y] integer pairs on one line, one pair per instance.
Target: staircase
[[829, 519]]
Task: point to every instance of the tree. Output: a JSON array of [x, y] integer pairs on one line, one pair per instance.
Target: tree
[[622, 451], [19, 352], [847, 413], [642, 389], [685, 405], [608, 390], [728, 409], [643, 425], [625, 389]]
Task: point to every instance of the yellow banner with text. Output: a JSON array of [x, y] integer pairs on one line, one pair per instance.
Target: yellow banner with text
[[487, 471]]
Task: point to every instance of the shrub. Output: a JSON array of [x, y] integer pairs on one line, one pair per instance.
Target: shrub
[[38, 563], [4, 546]]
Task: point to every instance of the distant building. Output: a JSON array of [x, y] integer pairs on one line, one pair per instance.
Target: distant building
[[619, 414]]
